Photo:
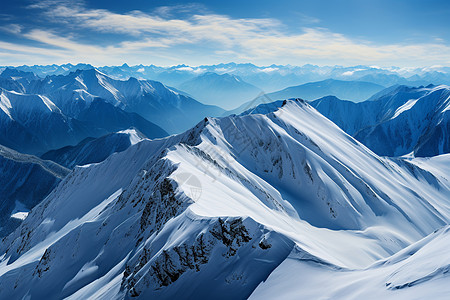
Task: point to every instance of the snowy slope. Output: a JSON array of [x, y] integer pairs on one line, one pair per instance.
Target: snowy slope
[[213, 211], [92, 150], [25, 180], [397, 121]]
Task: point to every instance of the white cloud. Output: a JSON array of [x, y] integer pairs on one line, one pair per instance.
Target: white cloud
[[51, 39]]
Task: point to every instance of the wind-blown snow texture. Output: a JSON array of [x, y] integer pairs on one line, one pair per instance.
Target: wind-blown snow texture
[[217, 210]]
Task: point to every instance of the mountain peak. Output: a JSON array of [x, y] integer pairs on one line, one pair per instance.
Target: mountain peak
[[134, 134], [266, 108]]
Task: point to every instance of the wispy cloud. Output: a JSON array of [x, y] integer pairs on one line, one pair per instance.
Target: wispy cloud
[[12, 28], [191, 34]]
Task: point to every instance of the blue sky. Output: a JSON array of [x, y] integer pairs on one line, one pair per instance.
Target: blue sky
[[406, 33]]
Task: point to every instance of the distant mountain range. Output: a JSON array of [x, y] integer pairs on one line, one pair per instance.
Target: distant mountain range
[[150, 99], [267, 78]]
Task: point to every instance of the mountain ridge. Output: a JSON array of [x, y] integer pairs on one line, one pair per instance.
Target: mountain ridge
[[262, 190]]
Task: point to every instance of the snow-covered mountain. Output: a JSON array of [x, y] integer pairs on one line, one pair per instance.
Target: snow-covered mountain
[[212, 212], [225, 90], [94, 150], [397, 121], [25, 180], [32, 123], [16, 80], [152, 100]]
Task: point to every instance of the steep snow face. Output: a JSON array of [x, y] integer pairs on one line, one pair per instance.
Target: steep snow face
[[93, 150], [213, 211], [22, 107], [91, 81], [25, 180], [5, 105], [408, 105], [133, 135], [397, 122], [341, 178]]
